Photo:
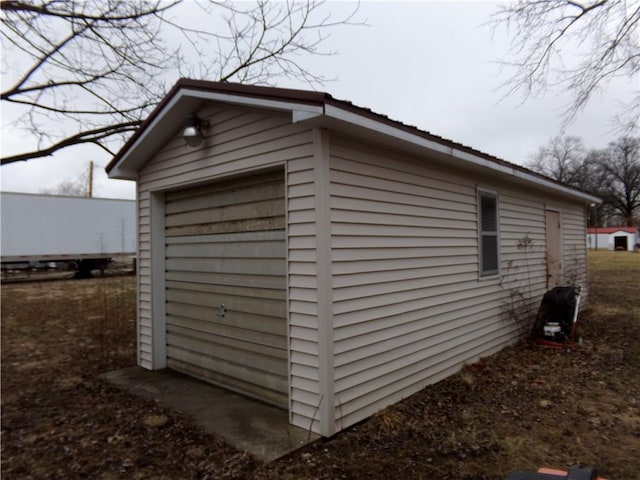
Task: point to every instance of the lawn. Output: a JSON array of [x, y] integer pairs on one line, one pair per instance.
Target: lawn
[[524, 407]]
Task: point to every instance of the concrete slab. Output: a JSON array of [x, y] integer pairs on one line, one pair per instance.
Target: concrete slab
[[247, 424]]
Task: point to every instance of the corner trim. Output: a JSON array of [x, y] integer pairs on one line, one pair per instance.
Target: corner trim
[[158, 295]]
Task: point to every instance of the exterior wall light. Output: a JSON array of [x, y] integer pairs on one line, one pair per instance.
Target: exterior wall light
[[192, 132]]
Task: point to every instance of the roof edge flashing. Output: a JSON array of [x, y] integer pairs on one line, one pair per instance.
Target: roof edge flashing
[[304, 115], [507, 169], [318, 109], [250, 101], [121, 174]]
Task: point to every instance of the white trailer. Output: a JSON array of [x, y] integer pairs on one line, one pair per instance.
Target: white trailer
[[88, 232]]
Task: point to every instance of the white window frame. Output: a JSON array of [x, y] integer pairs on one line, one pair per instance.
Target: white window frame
[[482, 234]]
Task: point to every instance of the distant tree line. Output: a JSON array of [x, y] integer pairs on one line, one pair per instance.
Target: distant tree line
[[611, 173]]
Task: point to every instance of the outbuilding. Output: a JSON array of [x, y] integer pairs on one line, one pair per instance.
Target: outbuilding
[[613, 238], [327, 259]]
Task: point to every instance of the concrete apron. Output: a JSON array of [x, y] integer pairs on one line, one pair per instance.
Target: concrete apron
[[247, 424]]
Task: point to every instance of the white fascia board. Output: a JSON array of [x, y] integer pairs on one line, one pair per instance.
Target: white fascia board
[[371, 124], [401, 134], [118, 173], [246, 101], [514, 172], [136, 149], [302, 115]]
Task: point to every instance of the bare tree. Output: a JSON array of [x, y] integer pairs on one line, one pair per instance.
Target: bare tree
[[71, 187], [89, 71], [562, 159], [606, 32], [612, 173], [620, 187]]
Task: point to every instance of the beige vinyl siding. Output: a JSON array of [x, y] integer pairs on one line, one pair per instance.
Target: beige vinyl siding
[[239, 141], [303, 299], [524, 214], [405, 271], [523, 266], [246, 140], [409, 305]]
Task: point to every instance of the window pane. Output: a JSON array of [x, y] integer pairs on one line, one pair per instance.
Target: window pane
[[489, 254], [488, 213]]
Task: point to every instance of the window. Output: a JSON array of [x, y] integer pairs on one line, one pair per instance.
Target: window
[[488, 227]]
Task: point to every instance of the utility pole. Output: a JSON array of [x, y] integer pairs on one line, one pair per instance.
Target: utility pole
[[90, 180]]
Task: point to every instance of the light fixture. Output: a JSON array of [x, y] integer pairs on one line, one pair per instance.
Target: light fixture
[[192, 132]]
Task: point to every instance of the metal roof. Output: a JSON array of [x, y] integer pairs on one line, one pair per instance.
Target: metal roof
[[320, 107], [609, 230]]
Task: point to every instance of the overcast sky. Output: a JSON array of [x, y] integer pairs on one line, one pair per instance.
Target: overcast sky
[[427, 64]]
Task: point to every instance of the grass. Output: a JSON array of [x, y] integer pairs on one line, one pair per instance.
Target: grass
[[522, 408], [614, 280], [614, 285]]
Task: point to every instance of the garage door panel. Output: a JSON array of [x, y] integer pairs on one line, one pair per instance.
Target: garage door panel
[[231, 363], [226, 285], [219, 278], [232, 304], [246, 225], [221, 187], [252, 211], [237, 291], [235, 332], [258, 356], [242, 237], [273, 395], [227, 197], [266, 249], [257, 322], [245, 378], [264, 266]]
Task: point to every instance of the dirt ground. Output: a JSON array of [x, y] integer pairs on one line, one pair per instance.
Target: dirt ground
[[522, 408]]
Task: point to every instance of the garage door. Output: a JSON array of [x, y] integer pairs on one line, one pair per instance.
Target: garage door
[[225, 285]]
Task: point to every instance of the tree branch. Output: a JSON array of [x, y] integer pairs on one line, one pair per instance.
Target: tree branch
[[18, 6], [89, 136], [607, 30], [92, 62]]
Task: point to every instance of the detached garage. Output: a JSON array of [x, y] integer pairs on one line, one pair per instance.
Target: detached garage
[[613, 238], [326, 259]]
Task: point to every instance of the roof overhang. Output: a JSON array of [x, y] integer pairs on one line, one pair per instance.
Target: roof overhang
[[449, 153], [187, 97], [319, 110]]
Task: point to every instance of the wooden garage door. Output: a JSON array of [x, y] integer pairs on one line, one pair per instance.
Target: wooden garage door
[[225, 285]]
